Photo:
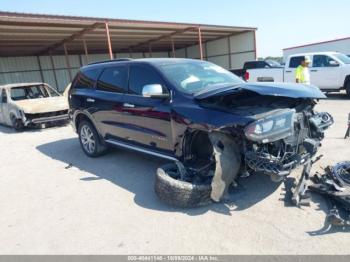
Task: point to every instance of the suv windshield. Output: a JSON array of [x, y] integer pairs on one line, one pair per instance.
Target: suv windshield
[[31, 92], [194, 76], [345, 59]]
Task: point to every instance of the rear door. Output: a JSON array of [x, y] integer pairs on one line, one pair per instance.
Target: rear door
[[146, 120], [289, 72], [108, 100], [323, 73]]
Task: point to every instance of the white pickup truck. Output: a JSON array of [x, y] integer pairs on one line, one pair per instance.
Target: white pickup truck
[[330, 71]]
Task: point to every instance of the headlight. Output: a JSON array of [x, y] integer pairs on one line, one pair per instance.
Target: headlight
[[271, 128]]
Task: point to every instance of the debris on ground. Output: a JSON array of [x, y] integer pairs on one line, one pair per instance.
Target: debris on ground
[[334, 184]]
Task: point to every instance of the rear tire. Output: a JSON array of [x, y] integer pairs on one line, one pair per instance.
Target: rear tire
[[90, 140], [179, 193]]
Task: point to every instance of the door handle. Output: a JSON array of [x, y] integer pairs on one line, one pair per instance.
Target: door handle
[[90, 100], [313, 70], [288, 71], [128, 105]]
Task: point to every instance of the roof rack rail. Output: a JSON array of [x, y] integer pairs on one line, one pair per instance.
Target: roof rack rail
[[110, 61]]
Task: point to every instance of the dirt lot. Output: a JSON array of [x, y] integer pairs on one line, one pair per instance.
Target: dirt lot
[[108, 206]]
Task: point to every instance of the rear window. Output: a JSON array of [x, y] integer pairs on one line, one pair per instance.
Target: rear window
[[114, 79], [86, 78], [296, 61], [254, 64]]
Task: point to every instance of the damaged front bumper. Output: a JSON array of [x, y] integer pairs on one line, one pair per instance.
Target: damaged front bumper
[[279, 158], [44, 118]]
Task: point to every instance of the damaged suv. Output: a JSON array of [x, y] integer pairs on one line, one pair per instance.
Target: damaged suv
[[31, 104], [212, 125]]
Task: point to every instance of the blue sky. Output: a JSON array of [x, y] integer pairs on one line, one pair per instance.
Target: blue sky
[[280, 23]]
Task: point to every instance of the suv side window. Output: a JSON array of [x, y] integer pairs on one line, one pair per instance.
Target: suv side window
[[321, 61], [114, 79], [295, 61], [141, 76], [86, 78]]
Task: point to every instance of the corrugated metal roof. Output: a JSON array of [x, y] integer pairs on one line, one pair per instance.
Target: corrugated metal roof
[[33, 34]]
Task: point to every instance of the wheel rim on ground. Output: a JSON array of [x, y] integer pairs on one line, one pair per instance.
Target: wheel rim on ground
[[87, 139]]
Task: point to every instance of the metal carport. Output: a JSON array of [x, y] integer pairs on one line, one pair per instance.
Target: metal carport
[[51, 48]]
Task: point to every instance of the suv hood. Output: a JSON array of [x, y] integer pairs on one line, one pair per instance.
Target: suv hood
[[271, 89], [42, 105]]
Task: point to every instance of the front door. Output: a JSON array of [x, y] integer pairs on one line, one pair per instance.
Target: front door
[[147, 120], [324, 72]]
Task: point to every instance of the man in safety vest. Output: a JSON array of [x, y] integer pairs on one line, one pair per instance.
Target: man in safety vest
[[302, 74]]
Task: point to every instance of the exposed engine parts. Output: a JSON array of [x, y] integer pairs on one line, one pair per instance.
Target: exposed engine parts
[[280, 157]]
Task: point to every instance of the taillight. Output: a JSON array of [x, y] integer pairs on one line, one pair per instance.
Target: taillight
[[246, 76]]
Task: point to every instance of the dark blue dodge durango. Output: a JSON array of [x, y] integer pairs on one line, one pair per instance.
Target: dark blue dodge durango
[[211, 124]]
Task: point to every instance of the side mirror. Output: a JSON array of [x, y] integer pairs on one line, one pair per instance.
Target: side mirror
[[4, 99], [333, 63], [154, 90]]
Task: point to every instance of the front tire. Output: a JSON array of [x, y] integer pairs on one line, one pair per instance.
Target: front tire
[[17, 124], [90, 140]]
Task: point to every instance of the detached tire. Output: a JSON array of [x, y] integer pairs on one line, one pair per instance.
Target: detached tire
[[179, 193]]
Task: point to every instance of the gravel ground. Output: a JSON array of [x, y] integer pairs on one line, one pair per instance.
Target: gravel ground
[[55, 200]]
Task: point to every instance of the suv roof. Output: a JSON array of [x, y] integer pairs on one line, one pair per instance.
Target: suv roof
[[154, 61]]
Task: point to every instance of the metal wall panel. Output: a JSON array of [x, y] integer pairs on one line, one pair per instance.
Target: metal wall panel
[[22, 77], [180, 53], [14, 64], [45, 62], [49, 78], [238, 60], [217, 47], [222, 61], [193, 51], [242, 42]]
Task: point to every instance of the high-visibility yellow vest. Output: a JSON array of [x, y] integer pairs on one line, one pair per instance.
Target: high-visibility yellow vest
[[302, 74]]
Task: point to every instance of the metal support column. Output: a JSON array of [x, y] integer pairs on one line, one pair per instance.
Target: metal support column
[[229, 52], [54, 72], [41, 69], [255, 53], [86, 51], [173, 47], [67, 61], [109, 41], [150, 50], [200, 43]]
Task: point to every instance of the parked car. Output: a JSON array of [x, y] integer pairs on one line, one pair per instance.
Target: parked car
[[212, 124], [330, 71], [242, 73], [31, 104]]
